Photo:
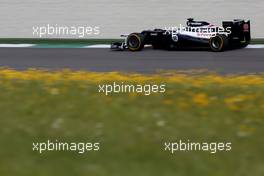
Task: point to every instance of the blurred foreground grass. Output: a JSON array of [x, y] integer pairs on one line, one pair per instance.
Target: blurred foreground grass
[[37, 105]]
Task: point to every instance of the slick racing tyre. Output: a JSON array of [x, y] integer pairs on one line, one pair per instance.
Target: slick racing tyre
[[135, 42], [218, 43]]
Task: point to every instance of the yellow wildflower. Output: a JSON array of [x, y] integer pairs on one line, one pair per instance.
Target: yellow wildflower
[[167, 102], [201, 99], [245, 130], [234, 103]]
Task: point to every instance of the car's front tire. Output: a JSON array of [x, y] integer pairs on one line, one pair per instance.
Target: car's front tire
[[135, 42], [218, 43]]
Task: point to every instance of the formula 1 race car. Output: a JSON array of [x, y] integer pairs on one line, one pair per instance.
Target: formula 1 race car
[[197, 34]]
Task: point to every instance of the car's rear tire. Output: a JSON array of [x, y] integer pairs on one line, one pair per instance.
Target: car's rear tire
[[135, 42], [218, 43]]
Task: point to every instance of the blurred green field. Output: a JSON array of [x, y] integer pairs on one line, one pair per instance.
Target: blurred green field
[[131, 128]]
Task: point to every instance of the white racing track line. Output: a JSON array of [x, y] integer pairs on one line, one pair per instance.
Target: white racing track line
[[97, 46], [16, 45], [257, 46]]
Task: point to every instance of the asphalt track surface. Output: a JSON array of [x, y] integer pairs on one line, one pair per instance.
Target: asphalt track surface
[[241, 61]]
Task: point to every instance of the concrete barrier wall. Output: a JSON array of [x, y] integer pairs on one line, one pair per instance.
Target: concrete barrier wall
[[17, 17]]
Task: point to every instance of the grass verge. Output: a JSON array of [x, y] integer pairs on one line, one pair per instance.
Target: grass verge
[[38, 105]]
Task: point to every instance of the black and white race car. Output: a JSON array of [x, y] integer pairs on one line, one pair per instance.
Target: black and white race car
[[196, 34]]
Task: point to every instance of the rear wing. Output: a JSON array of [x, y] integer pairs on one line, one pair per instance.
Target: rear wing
[[240, 30]]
